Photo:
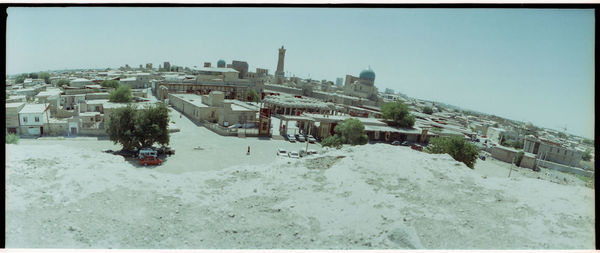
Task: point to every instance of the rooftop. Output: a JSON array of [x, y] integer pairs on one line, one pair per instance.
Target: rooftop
[[192, 99], [34, 108], [14, 105]]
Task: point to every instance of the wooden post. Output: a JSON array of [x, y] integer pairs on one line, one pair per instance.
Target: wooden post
[[510, 170]]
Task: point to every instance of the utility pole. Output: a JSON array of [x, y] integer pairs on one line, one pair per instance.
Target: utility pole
[[511, 164]]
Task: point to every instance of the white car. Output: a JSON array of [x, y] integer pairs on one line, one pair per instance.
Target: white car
[[294, 154], [312, 152], [311, 139], [281, 152], [301, 138], [291, 138]]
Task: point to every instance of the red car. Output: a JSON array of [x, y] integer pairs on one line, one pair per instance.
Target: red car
[[150, 160], [417, 147]]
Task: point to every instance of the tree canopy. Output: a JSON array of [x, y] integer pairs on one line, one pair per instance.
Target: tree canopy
[[45, 76], [122, 95], [62, 82], [350, 131], [457, 147], [135, 128], [110, 84], [398, 113], [252, 95], [21, 78]]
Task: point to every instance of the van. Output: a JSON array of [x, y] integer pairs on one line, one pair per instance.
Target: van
[[147, 152]]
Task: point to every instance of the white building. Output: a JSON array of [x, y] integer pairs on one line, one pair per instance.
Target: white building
[[33, 117]]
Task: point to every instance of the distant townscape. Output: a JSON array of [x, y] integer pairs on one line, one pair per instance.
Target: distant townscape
[[243, 158]]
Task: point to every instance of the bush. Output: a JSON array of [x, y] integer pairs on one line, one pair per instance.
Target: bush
[[121, 95], [457, 147], [519, 158], [427, 110], [332, 141], [398, 113], [12, 139]]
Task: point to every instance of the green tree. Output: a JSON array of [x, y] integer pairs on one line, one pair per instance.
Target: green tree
[[33, 75], [62, 82], [121, 95], [252, 95], [351, 131], [135, 128], [45, 76], [121, 127], [110, 84], [398, 113], [457, 147], [427, 110], [21, 78], [586, 156]]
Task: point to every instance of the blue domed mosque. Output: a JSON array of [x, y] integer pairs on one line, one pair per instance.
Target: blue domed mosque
[[362, 86]]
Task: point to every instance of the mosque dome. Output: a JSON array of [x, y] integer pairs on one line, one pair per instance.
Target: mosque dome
[[221, 63], [367, 74]]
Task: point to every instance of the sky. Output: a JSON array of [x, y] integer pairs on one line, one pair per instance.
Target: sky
[[531, 65]]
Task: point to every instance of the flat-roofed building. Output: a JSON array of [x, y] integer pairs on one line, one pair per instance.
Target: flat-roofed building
[[12, 117]]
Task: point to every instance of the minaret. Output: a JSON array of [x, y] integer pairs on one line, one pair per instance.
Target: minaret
[[279, 74]]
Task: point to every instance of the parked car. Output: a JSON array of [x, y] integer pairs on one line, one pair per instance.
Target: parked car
[[311, 139], [417, 147], [301, 138], [396, 143], [150, 160], [294, 154], [166, 150], [281, 152], [126, 153], [291, 138], [312, 152], [107, 151], [405, 143]]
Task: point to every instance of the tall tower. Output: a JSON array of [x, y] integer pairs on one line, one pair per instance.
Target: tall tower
[[279, 74]]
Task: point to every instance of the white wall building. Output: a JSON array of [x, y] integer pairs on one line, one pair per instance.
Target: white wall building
[[33, 117]]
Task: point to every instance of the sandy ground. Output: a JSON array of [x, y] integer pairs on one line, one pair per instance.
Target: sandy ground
[[68, 194]]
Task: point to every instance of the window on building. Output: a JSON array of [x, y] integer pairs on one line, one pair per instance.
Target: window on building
[[37, 119], [24, 119]]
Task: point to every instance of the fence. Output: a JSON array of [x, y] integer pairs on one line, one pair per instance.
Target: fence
[[564, 168], [252, 132]]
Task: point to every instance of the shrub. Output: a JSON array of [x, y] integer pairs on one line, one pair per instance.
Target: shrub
[[427, 110], [457, 147], [519, 158], [12, 139], [332, 141]]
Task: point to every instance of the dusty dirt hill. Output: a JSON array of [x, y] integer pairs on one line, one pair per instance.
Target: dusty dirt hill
[[368, 197]]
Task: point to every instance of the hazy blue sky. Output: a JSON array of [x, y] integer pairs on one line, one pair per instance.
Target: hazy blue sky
[[532, 65]]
